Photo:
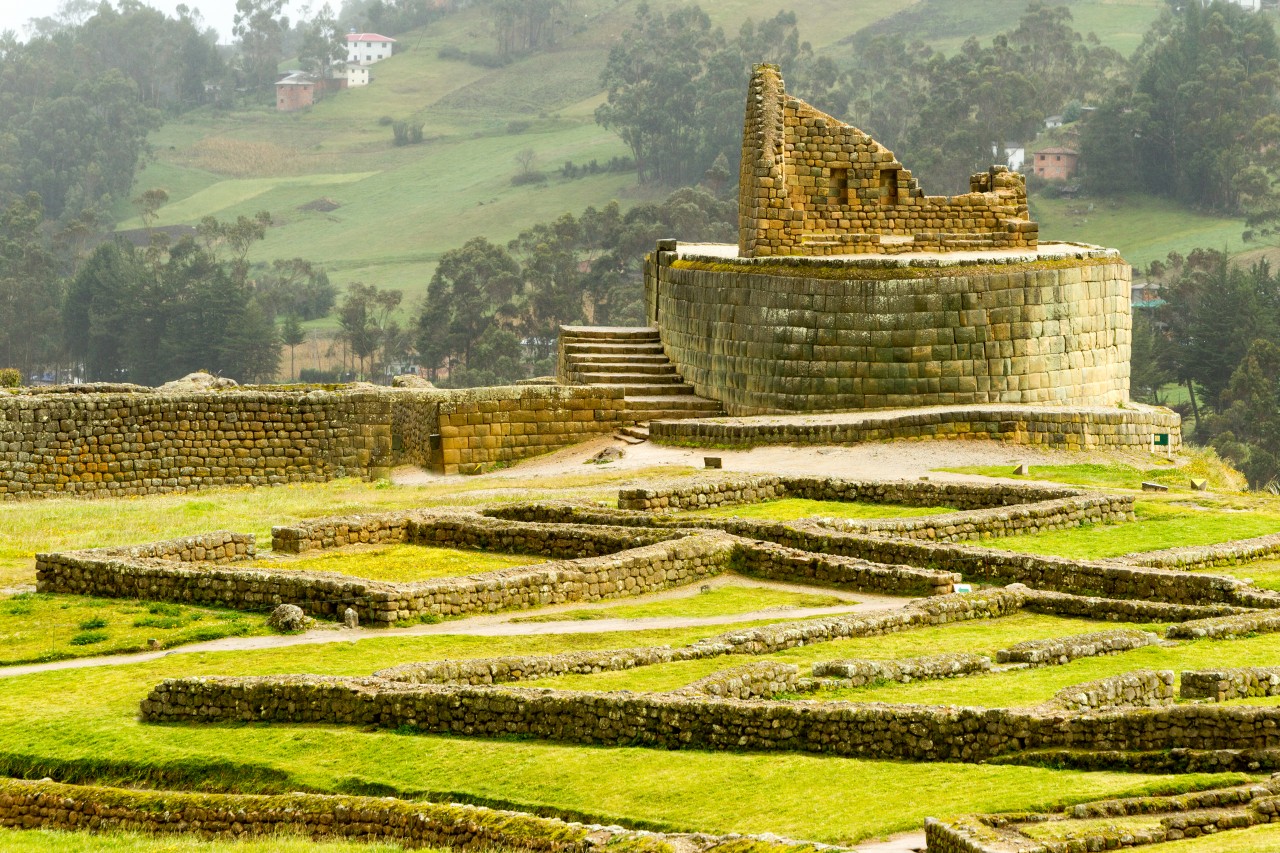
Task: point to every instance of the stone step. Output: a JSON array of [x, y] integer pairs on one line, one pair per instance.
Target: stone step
[[641, 433], [670, 377], [618, 358], [623, 435], [609, 348], [652, 368], [657, 407], [609, 333], [648, 389]]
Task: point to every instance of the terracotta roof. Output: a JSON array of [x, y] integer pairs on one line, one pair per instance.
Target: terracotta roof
[[367, 37]]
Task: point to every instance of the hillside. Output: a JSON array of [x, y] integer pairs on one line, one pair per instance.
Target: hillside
[[392, 211]]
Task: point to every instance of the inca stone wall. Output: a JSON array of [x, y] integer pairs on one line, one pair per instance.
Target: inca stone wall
[[127, 444], [768, 338], [1223, 684], [812, 185]]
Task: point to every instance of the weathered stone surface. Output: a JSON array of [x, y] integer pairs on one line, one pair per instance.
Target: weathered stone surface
[[289, 618]]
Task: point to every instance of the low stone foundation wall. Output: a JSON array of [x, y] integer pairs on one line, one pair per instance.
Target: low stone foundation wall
[[528, 667], [1208, 556], [683, 560], [1077, 428], [757, 680], [686, 721], [54, 806], [860, 673], [1060, 650], [1223, 684], [777, 562], [1119, 610], [1226, 627], [1142, 688]]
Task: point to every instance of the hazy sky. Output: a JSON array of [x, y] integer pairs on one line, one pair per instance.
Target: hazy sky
[[14, 14]]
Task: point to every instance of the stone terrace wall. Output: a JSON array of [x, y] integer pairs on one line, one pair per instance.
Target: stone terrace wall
[[686, 721], [1142, 688], [778, 339], [126, 444], [54, 806], [755, 680], [779, 563], [1208, 556], [1074, 428], [1059, 650]]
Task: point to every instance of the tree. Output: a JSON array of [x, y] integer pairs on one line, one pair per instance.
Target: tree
[[261, 28], [324, 44], [30, 288], [1249, 428], [292, 335], [473, 286], [366, 319]]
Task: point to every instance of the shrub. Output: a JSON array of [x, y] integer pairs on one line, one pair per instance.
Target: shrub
[[518, 126], [10, 377], [522, 178], [95, 622], [88, 638]]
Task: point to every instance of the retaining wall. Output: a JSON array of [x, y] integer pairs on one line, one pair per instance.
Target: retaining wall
[[1072, 428], [783, 336], [126, 444], [1223, 684]]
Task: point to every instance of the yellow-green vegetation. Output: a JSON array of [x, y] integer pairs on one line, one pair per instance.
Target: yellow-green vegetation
[[790, 509], [1198, 465], [1160, 524], [30, 527], [43, 627], [400, 563], [1255, 839], [25, 840], [82, 720], [1263, 573], [982, 636], [718, 601], [1055, 830]]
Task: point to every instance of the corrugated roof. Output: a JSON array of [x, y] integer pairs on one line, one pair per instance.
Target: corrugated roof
[[367, 37]]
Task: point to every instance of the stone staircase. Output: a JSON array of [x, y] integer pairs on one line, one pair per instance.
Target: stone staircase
[[631, 358]]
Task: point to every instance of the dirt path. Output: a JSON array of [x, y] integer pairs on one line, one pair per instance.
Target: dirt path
[[501, 625], [872, 460]]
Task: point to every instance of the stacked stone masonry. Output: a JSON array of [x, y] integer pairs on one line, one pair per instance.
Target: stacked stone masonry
[[1143, 688], [1221, 685], [127, 444], [1073, 428], [1060, 650], [781, 339], [53, 806], [860, 673], [812, 185]]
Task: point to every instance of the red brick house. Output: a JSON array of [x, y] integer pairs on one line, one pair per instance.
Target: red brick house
[[1056, 164]]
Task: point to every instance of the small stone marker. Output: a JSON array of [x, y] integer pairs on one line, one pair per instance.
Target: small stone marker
[[154, 644], [1022, 470], [1199, 485], [711, 462], [1154, 487], [962, 587], [350, 619]]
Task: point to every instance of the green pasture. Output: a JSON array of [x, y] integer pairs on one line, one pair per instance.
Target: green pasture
[[84, 724], [729, 600], [398, 563], [790, 509]]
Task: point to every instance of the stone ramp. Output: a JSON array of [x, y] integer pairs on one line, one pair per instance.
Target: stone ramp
[[631, 358]]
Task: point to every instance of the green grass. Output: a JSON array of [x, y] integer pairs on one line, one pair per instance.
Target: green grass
[[983, 636], [29, 527], [1143, 228], [43, 627], [1160, 525], [1263, 573], [89, 718], [400, 563], [1057, 830], [1118, 475], [1255, 839], [47, 841], [719, 601], [790, 509]]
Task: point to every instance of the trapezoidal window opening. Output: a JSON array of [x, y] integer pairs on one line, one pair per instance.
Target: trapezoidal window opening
[[838, 191], [889, 187]]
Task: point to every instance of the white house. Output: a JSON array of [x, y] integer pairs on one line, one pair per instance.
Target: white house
[[358, 75], [368, 47]]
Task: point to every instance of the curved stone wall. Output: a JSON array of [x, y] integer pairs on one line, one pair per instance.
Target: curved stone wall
[[775, 335]]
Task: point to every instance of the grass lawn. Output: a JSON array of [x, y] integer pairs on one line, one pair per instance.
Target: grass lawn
[[399, 563], [59, 721], [719, 601], [1143, 228], [1160, 524], [980, 636], [1263, 573], [1117, 475], [22, 840], [42, 627], [28, 527], [790, 509]]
